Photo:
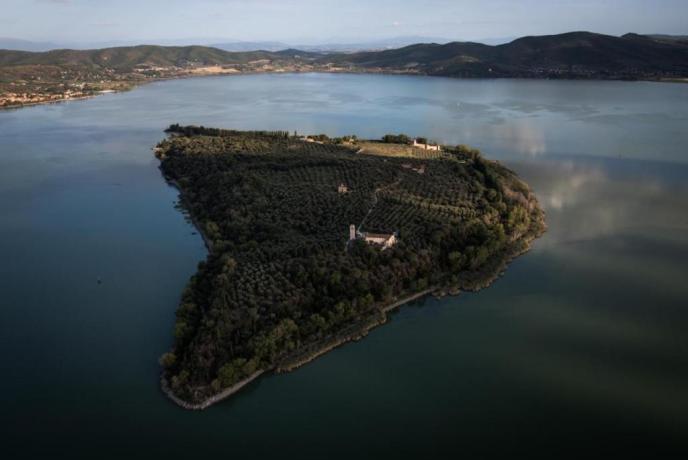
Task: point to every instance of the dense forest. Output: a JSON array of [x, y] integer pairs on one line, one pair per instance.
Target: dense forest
[[282, 276]]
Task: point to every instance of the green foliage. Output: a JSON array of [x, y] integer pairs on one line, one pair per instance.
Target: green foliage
[[168, 360], [280, 274], [586, 55], [396, 139], [470, 152]]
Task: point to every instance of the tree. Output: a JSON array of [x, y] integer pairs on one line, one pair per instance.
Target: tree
[[167, 360], [396, 139]]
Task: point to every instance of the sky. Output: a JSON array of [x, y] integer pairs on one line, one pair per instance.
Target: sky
[[329, 21]]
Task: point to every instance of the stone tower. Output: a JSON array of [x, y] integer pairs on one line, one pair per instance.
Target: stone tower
[[352, 232]]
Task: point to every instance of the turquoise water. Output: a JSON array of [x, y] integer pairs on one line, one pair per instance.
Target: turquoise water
[[579, 349]]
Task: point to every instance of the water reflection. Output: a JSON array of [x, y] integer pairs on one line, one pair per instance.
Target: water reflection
[[583, 339], [591, 198], [604, 323], [524, 136]]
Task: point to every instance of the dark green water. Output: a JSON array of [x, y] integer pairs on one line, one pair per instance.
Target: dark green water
[[580, 349]]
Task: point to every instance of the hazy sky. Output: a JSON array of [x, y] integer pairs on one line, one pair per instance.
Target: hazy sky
[[330, 20]]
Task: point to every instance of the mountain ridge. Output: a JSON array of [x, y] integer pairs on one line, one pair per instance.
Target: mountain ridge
[[37, 77], [573, 54]]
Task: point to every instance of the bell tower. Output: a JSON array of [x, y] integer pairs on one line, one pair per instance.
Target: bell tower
[[352, 232]]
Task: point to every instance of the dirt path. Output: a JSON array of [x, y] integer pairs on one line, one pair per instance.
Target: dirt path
[[372, 207], [376, 200]]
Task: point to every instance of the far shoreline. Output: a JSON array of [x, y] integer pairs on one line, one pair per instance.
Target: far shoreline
[[136, 85]]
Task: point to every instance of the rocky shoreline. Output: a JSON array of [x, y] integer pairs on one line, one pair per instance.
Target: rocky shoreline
[[227, 392]]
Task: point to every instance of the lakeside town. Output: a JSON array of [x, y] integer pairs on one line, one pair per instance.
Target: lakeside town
[[31, 88], [28, 78]]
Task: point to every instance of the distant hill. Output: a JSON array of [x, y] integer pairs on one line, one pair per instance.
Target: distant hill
[[669, 38], [371, 45], [251, 46], [126, 58], [570, 55], [25, 45], [235, 45]]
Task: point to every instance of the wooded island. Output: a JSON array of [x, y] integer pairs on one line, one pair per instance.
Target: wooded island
[[313, 239]]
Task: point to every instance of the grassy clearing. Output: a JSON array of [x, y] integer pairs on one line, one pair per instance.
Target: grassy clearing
[[397, 151]]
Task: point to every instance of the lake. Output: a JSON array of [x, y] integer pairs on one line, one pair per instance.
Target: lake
[[580, 349]]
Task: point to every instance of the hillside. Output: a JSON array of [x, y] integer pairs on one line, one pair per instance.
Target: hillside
[[30, 78], [570, 55], [127, 58], [669, 38], [576, 53]]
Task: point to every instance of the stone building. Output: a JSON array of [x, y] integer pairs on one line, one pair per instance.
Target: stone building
[[385, 240]]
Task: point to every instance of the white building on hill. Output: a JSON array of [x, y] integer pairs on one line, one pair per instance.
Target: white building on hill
[[434, 147], [386, 240]]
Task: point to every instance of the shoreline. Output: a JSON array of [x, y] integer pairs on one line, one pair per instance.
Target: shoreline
[[184, 204], [52, 101], [135, 85], [224, 394], [354, 332]]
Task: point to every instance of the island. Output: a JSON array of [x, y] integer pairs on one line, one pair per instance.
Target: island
[[313, 240]]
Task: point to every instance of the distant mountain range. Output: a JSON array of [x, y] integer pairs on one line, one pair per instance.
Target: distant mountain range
[[569, 55], [235, 45], [128, 57], [372, 45], [26, 45]]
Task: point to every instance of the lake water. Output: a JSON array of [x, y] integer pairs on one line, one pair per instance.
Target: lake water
[[579, 350]]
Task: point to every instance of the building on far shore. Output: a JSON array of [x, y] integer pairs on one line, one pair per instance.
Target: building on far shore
[[343, 188], [426, 146], [385, 240]]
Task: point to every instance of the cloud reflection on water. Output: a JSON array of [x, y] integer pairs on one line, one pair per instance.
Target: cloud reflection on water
[[592, 198], [605, 325], [522, 135]]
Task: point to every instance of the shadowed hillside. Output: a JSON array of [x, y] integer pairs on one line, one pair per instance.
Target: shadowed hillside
[[31, 78], [570, 55]]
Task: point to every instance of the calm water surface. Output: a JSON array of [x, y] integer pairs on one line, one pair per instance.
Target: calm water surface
[[580, 349]]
